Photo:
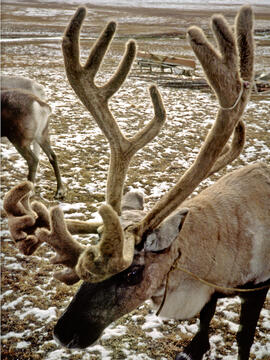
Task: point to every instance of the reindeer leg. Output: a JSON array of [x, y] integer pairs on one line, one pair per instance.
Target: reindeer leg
[[46, 147], [251, 306], [36, 149], [31, 159], [200, 343]]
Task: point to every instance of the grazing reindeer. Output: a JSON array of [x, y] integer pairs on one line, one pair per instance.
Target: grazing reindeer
[[23, 83], [182, 254], [25, 120]]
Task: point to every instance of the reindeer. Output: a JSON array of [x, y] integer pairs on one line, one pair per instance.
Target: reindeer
[[23, 83], [25, 121], [184, 253]]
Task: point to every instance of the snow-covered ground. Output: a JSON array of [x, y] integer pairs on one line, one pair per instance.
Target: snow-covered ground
[[31, 300]]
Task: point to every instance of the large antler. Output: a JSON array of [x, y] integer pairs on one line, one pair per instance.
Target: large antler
[[230, 73], [114, 253], [82, 80], [32, 224]]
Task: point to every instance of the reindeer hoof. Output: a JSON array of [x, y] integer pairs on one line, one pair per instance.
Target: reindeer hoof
[[60, 194]]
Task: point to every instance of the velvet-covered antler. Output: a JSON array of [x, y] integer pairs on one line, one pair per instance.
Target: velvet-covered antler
[[23, 218], [229, 70], [31, 224], [95, 98]]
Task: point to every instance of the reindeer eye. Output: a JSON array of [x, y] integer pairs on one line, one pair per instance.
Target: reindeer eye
[[134, 275]]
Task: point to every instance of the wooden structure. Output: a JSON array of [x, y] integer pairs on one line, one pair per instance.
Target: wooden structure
[[150, 61], [261, 88]]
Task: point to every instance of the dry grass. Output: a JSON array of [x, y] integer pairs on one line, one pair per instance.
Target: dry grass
[[84, 164]]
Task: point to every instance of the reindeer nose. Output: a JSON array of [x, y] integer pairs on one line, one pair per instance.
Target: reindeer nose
[[76, 334]]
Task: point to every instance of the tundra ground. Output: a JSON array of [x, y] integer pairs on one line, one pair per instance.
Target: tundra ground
[[31, 299]]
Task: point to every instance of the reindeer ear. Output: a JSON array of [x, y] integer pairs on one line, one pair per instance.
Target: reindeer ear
[[163, 236]]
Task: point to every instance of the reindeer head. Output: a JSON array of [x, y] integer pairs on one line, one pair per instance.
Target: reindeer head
[[136, 249]]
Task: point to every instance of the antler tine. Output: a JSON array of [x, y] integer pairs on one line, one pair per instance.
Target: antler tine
[[16, 201], [68, 250], [120, 75], [20, 215], [71, 43], [82, 227], [245, 42], [113, 254], [98, 51], [223, 74], [233, 151], [24, 218], [153, 128], [96, 99]]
